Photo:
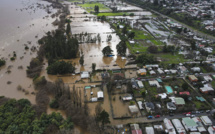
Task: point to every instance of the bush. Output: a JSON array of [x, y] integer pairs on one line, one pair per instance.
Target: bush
[[12, 58], [2, 62], [131, 14]]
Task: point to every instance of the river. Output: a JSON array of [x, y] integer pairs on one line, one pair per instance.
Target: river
[[22, 23]]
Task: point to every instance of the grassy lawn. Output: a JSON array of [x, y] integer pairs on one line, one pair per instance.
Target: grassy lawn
[[90, 6], [111, 14], [169, 58]]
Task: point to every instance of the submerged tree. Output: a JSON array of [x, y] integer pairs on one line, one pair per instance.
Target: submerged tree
[[81, 61], [107, 51], [121, 48], [103, 117], [93, 67]]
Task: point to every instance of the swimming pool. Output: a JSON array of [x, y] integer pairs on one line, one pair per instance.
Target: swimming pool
[[88, 87], [168, 89]]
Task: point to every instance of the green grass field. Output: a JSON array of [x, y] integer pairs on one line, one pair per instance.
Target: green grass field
[[111, 14], [169, 58], [90, 6]]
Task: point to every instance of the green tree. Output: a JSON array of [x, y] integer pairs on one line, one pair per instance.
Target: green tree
[[185, 86], [103, 117], [60, 67], [68, 29], [81, 61], [153, 49], [145, 59], [124, 30], [121, 48], [93, 67], [2, 62], [107, 51], [131, 35], [96, 8]]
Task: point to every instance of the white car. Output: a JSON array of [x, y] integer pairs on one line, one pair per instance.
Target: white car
[[192, 115]]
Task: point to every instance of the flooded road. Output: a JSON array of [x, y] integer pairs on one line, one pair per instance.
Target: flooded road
[[22, 23]]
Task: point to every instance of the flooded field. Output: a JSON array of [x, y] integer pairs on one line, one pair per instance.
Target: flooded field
[[22, 23]]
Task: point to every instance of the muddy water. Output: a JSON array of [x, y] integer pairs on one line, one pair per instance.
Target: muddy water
[[20, 22]]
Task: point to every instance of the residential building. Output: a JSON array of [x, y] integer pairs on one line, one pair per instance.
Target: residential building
[[211, 130], [154, 83], [200, 126], [100, 95], [149, 130], [171, 106], [133, 109], [169, 127], [150, 107], [192, 78], [179, 101], [85, 75], [206, 89], [206, 120], [135, 129], [184, 93], [142, 71], [189, 124], [196, 69], [179, 127], [207, 78], [140, 104], [140, 84]]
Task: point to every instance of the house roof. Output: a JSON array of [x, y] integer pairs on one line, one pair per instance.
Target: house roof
[[185, 92], [192, 77], [179, 101], [189, 122]]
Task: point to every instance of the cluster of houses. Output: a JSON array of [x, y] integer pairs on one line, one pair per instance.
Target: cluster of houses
[[195, 125]]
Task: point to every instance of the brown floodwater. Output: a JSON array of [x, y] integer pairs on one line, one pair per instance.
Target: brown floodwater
[[22, 22]]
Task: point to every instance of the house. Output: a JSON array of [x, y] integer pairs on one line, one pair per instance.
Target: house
[[184, 93], [173, 71], [182, 69], [131, 42], [152, 72], [171, 106], [118, 85], [134, 83], [154, 83], [163, 95], [206, 120], [152, 66], [140, 84], [160, 71], [211, 129], [149, 130], [189, 124], [140, 104], [142, 71], [179, 127], [206, 89], [133, 109], [179, 101], [200, 127], [169, 127], [127, 98], [196, 69], [207, 78], [167, 71], [100, 95], [85, 75], [192, 78], [135, 129], [150, 107], [121, 26]]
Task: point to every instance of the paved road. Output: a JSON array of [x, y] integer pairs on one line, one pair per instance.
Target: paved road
[[188, 27]]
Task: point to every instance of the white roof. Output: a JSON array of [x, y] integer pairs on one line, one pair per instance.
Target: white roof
[[162, 95], [100, 94], [140, 104], [169, 126], [133, 109], [206, 120], [211, 130], [179, 127], [142, 70], [94, 99], [131, 42], [152, 72], [206, 88], [85, 75], [154, 82], [149, 130], [140, 84]]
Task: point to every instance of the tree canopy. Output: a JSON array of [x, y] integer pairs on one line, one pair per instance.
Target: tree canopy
[[107, 51], [145, 59], [121, 48], [60, 67]]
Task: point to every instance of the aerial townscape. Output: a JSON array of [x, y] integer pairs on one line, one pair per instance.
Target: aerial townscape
[[107, 67]]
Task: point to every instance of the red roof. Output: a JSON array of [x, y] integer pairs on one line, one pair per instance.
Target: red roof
[[137, 131], [186, 92]]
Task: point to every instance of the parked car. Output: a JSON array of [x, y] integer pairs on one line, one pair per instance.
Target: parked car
[[207, 111], [198, 112], [150, 117], [188, 115], [157, 116], [192, 115]]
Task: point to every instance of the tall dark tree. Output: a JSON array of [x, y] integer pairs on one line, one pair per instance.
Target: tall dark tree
[[93, 67], [68, 29], [103, 117], [121, 48], [107, 51], [81, 61]]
